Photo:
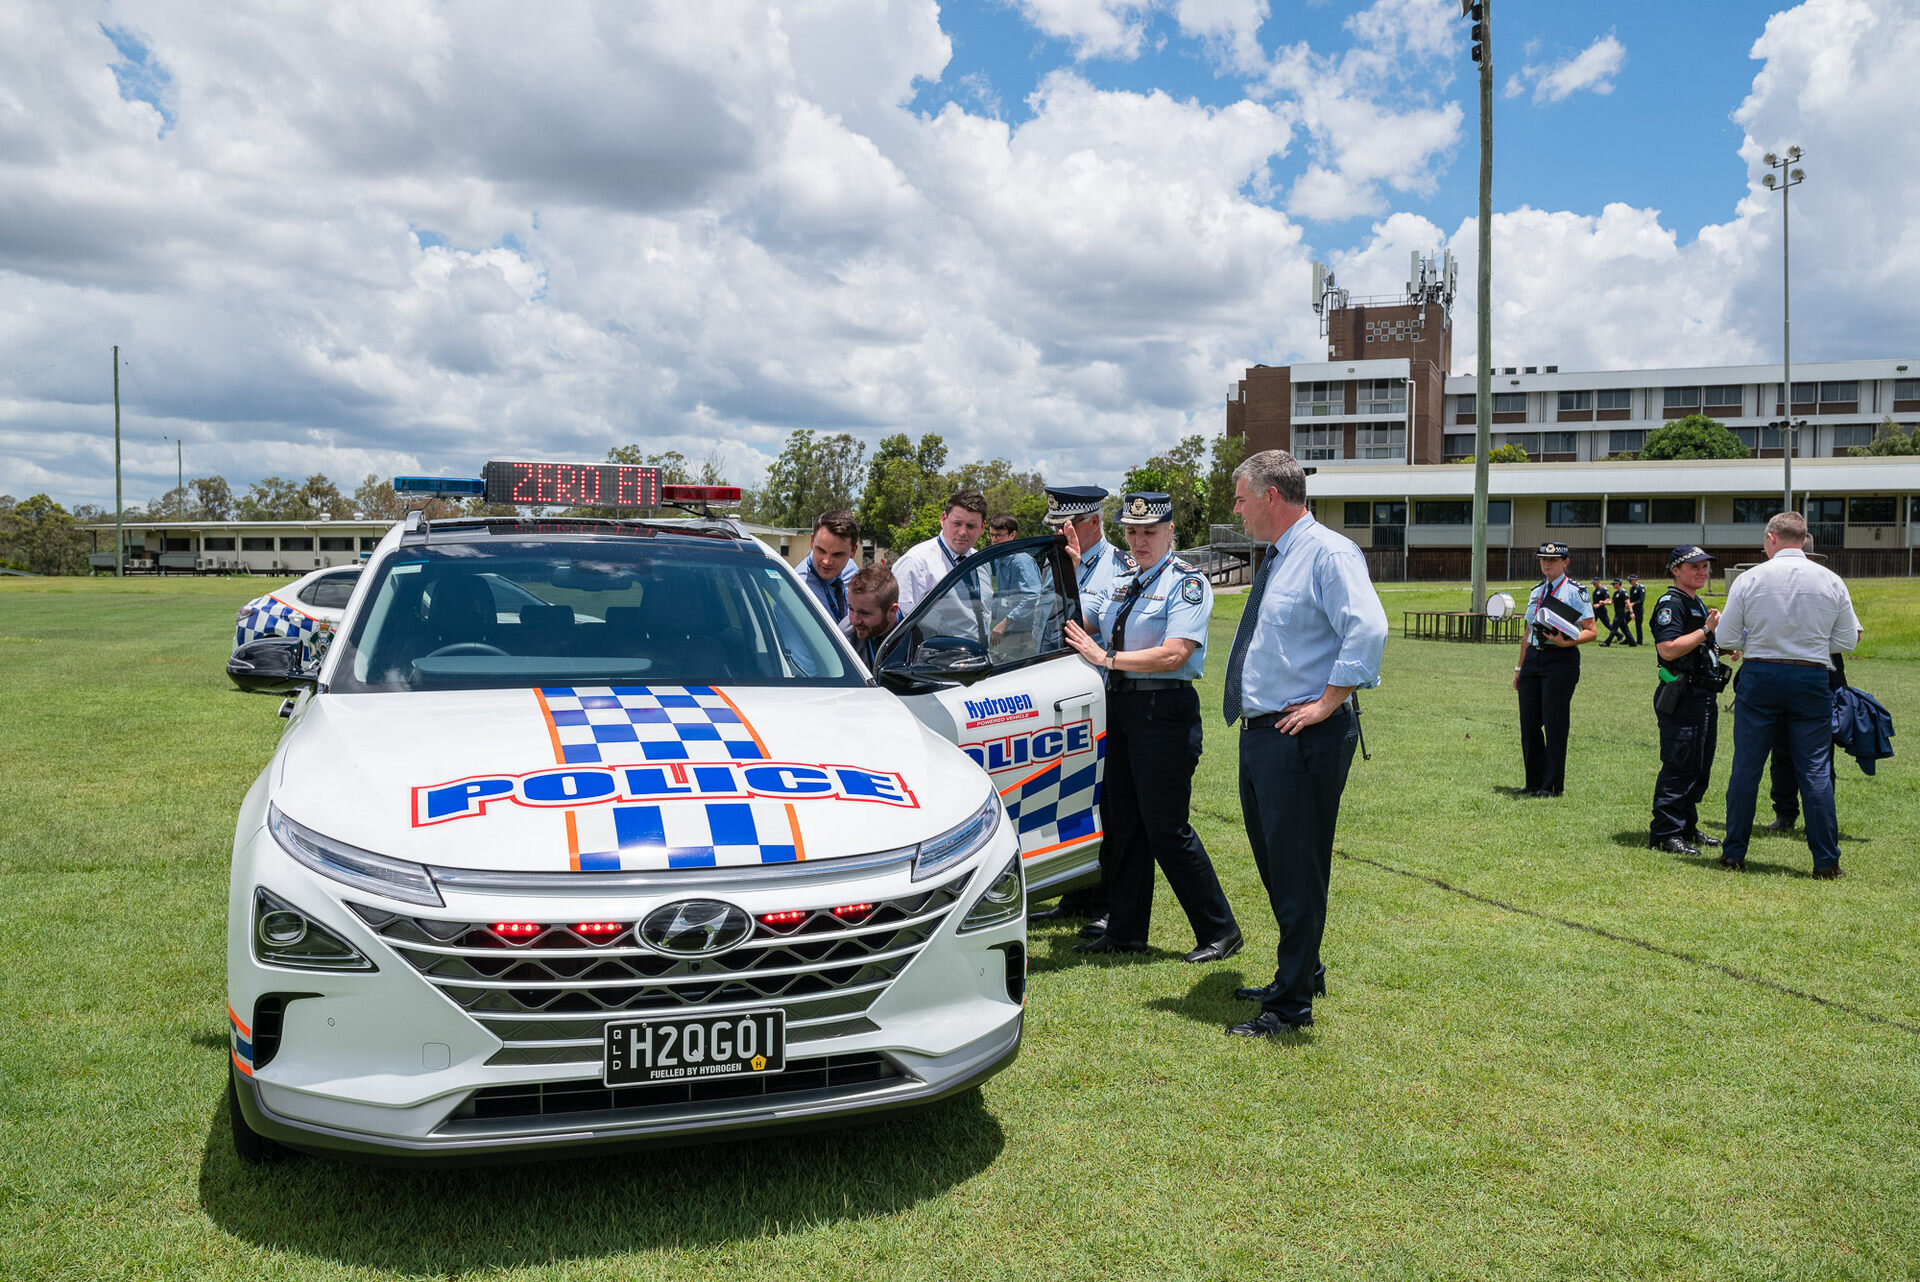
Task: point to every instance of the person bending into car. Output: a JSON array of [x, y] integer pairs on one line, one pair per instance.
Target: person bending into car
[[873, 608]]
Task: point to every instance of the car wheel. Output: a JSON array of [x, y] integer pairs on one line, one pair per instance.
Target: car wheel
[[249, 1145]]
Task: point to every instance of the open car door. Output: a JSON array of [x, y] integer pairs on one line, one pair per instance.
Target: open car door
[[983, 660]]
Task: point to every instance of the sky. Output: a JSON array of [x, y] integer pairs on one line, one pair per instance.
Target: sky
[[406, 236]]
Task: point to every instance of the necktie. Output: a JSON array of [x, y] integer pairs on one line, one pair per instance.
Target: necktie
[[838, 591], [1243, 637]]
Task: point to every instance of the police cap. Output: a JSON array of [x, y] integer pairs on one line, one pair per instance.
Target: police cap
[[1551, 548], [1070, 503], [1686, 553], [1146, 508]]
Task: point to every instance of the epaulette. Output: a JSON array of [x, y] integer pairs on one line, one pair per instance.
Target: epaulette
[[1130, 562], [1183, 566]]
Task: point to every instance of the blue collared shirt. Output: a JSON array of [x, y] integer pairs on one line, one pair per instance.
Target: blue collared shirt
[[1321, 623], [1100, 566], [1176, 602], [823, 590], [1565, 589]]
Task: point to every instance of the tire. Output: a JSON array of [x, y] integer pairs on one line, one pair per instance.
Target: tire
[[249, 1145]]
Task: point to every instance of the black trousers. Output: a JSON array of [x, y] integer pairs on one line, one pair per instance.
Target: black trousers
[[1639, 626], [1688, 736], [1783, 786], [1616, 627], [1546, 714], [1153, 745], [1290, 788]]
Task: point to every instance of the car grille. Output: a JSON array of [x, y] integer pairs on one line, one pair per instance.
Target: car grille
[[547, 990], [527, 1100]]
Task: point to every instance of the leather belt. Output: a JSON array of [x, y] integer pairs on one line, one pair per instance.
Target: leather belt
[[1792, 663], [1148, 683], [1265, 721]]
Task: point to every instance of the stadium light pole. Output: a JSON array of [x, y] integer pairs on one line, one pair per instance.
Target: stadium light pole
[[1479, 12], [1791, 176], [119, 503]]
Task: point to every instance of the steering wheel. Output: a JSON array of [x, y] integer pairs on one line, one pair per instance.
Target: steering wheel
[[464, 648]]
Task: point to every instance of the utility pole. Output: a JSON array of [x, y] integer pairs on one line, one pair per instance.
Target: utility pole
[[119, 507], [1791, 176], [1477, 11]]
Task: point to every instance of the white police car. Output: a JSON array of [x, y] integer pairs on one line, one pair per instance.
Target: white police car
[[307, 609], [653, 861]]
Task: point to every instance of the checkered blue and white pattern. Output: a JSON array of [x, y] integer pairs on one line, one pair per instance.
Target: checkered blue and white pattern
[[269, 616], [688, 834], [647, 723], [1060, 803]]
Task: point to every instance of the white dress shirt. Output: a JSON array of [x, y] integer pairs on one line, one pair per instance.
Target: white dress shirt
[[920, 567], [1789, 608]]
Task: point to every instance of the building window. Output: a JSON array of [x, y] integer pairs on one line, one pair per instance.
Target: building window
[[368, 542], [1573, 511], [1625, 442], [1906, 389], [256, 545], [296, 545], [1528, 441], [1460, 512], [216, 545], [1613, 398], [1509, 402], [1873, 511], [1803, 393], [1755, 511], [1626, 511], [1683, 398], [1839, 393], [1318, 398], [332, 543], [1380, 440], [1390, 513], [1358, 515], [1848, 435], [1723, 396], [1673, 511], [171, 543], [1576, 400], [1747, 436], [1318, 443], [1559, 442], [1382, 396], [1457, 447]]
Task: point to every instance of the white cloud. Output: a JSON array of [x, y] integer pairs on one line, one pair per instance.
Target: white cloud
[[1229, 28], [1094, 28], [1591, 70]]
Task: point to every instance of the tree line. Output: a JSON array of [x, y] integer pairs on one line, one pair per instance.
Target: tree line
[[897, 493]]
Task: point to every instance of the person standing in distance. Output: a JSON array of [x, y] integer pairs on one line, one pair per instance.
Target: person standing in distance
[[1549, 669], [1622, 613], [872, 610], [1689, 728], [829, 567], [1153, 630], [1074, 512], [1637, 606], [924, 564], [1312, 633], [1599, 599], [1786, 617]]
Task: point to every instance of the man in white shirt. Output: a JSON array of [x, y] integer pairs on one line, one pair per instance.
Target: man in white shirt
[[925, 564], [1786, 617]]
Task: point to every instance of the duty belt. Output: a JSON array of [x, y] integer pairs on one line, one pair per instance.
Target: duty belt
[[1120, 681]]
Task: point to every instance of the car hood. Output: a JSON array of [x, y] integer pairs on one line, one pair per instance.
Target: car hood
[[604, 778]]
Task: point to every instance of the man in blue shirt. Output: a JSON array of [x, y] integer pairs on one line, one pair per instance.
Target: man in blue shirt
[[1312, 633], [1151, 632], [830, 564]]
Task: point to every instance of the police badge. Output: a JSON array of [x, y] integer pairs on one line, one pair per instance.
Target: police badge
[[1191, 591]]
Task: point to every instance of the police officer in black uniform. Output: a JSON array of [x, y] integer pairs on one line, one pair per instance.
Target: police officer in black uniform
[[1620, 632], [1685, 703], [1548, 670], [1637, 603], [1601, 603]]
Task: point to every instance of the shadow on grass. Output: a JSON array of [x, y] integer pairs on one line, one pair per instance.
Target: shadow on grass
[[447, 1222], [1053, 951], [1210, 1000]]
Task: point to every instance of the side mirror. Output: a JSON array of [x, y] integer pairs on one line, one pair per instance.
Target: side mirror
[[942, 661], [271, 664]]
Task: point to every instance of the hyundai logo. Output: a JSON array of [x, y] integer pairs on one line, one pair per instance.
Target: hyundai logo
[[695, 928]]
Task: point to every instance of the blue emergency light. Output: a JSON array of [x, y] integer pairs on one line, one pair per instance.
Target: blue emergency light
[[439, 486]]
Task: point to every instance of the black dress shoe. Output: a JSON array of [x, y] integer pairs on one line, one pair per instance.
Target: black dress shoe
[[1827, 873], [1107, 944], [1055, 913], [1672, 846], [1780, 824], [1545, 792], [1095, 928], [1733, 865], [1219, 950], [1259, 994], [1268, 1024], [1701, 839]]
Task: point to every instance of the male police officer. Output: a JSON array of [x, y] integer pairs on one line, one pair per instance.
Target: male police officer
[[1637, 605], [1685, 703], [1621, 612], [1152, 630], [1600, 602]]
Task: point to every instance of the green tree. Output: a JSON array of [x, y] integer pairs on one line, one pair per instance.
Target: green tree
[[902, 478], [1227, 453], [1501, 454], [41, 536], [1695, 436], [174, 505], [212, 498], [1889, 440], [1184, 474], [815, 473], [275, 498], [1020, 494]]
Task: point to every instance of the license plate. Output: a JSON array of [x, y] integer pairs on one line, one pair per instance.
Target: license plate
[[689, 1047]]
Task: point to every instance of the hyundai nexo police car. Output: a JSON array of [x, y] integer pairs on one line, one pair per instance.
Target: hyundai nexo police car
[[653, 861], [307, 609]]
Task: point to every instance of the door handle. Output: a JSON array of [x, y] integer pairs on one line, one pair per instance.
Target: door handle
[[1075, 700]]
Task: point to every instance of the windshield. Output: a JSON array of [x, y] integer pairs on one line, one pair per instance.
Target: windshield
[[493, 612]]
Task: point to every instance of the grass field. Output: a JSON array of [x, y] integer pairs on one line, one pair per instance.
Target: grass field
[[1547, 1051]]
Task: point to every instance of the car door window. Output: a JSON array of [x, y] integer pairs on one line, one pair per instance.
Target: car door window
[[998, 610], [330, 592]]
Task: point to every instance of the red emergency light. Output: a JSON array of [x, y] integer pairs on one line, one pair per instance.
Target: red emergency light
[[700, 494], [517, 929], [599, 929], [785, 917], [853, 912]]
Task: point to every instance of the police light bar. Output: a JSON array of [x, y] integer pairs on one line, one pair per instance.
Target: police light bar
[[555, 484], [438, 486], [700, 493]]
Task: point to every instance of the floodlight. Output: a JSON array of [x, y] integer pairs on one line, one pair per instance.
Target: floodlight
[[1768, 180], [1793, 153], [1770, 159], [1799, 175]]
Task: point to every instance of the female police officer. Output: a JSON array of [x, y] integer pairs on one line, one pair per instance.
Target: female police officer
[[1559, 621], [1684, 703], [1154, 626]]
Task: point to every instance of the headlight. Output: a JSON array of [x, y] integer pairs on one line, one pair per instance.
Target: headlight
[[285, 936], [956, 843], [394, 878], [1001, 902]]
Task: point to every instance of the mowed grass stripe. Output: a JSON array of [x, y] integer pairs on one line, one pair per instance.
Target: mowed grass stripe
[[1485, 1093]]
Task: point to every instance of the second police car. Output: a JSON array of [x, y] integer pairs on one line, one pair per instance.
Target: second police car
[[648, 857]]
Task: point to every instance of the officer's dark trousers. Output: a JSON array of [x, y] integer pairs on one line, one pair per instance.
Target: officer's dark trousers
[[1546, 714], [1766, 697], [1639, 628], [1687, 738], [1617, 629], [1290, 788], [1153, 745], [1783, 789]]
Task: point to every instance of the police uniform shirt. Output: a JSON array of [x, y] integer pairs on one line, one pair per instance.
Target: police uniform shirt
[[1100, 567], [1175, 603], [1563, 589], [1675, 615]]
